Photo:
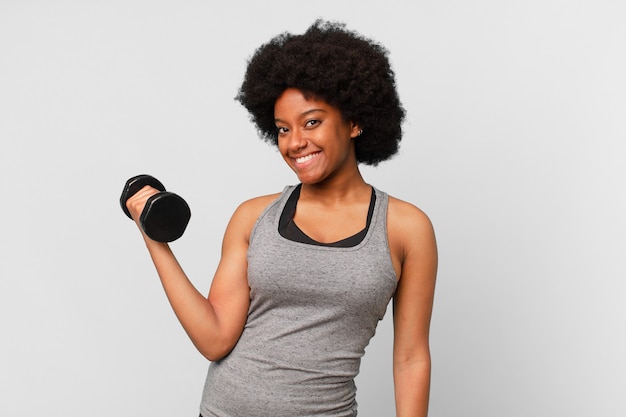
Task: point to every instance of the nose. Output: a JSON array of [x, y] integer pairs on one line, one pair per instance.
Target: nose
[[297, 140]]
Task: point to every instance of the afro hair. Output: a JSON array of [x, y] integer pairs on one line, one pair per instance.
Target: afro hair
[[336, 65]]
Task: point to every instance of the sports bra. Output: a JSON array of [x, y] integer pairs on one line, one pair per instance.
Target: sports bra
[[290, 230]]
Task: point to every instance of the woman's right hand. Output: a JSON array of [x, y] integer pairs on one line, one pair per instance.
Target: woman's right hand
[[136, 203]]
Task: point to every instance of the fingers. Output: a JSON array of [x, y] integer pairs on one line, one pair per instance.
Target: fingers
[[137, 201]]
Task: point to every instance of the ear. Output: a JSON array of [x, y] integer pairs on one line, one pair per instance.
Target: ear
[[356, 131]]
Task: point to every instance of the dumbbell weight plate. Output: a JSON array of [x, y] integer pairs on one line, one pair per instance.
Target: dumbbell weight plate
[[168, 215]]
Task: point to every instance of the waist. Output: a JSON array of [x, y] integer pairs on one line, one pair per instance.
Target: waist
[[241, 390]]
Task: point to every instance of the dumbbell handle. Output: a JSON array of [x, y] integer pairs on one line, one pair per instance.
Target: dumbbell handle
[[133, 185]]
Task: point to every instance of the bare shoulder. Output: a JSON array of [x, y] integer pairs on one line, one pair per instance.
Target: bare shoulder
[[256, 205], [248, 212], [410, 232], [404, 216]]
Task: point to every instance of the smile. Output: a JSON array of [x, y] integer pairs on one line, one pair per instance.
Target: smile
[[306, 158]]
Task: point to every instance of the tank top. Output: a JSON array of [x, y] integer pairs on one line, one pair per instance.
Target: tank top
[[313, 310]]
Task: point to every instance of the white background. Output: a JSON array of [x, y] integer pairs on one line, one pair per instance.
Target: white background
[[514, 145]]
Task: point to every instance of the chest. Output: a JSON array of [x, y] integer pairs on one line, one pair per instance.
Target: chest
[[287, 274], [327, 225]]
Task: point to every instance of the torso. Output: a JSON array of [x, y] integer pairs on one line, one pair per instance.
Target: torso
[[312, 311]]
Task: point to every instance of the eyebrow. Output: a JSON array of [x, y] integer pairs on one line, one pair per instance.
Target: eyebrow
[[305, 113]]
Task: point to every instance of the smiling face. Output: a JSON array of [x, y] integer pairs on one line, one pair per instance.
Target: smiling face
[[313, 138]]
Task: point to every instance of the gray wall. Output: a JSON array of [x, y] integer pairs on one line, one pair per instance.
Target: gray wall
[[514, 145]]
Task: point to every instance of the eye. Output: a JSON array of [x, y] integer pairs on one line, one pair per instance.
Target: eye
[[312, 123], [281, 130]]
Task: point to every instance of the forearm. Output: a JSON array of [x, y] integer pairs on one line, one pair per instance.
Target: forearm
[[412, 388], [192, 309]]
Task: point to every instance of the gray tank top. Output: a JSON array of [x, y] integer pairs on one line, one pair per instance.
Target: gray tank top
[[313, 310]]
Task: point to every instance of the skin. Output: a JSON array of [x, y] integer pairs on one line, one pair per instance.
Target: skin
[[318, 145]]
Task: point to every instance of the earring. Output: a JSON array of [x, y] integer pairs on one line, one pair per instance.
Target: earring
[[360, 132]]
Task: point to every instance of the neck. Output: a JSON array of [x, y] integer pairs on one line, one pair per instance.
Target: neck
[[335, 190]]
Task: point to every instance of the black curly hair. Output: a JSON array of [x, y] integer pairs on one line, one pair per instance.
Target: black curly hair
[[336, 65]]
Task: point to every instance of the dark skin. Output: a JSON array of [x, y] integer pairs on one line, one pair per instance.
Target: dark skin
[[318, 145]]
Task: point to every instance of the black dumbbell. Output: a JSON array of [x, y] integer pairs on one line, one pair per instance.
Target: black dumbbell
[[165, 215]]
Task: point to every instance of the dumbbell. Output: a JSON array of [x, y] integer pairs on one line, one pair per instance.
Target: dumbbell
[[165, 215]]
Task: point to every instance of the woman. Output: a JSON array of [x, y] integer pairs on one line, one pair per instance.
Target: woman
[[305, 275]]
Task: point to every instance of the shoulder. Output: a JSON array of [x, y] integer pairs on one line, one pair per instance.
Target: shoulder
[[256, 205], [251, 209], [402, 215], [410, 230], [247, 213]]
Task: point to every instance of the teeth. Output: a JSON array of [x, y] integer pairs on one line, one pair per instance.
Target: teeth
[[306, 158]]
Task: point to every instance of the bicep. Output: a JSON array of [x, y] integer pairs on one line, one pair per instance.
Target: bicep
[[229, 294]]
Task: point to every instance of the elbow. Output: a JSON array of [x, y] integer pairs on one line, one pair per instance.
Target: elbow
[[422, 364], [214, 356], [216, 341], [414, 372], [215, 351], [412, 359]]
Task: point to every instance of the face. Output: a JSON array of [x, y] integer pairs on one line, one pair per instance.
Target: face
[[313, 138]]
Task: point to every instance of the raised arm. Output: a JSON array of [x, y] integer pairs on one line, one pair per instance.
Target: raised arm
[[414, 251], [213, 323]]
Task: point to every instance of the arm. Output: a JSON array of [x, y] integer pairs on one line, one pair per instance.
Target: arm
[[213, 323], [414, 251]]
